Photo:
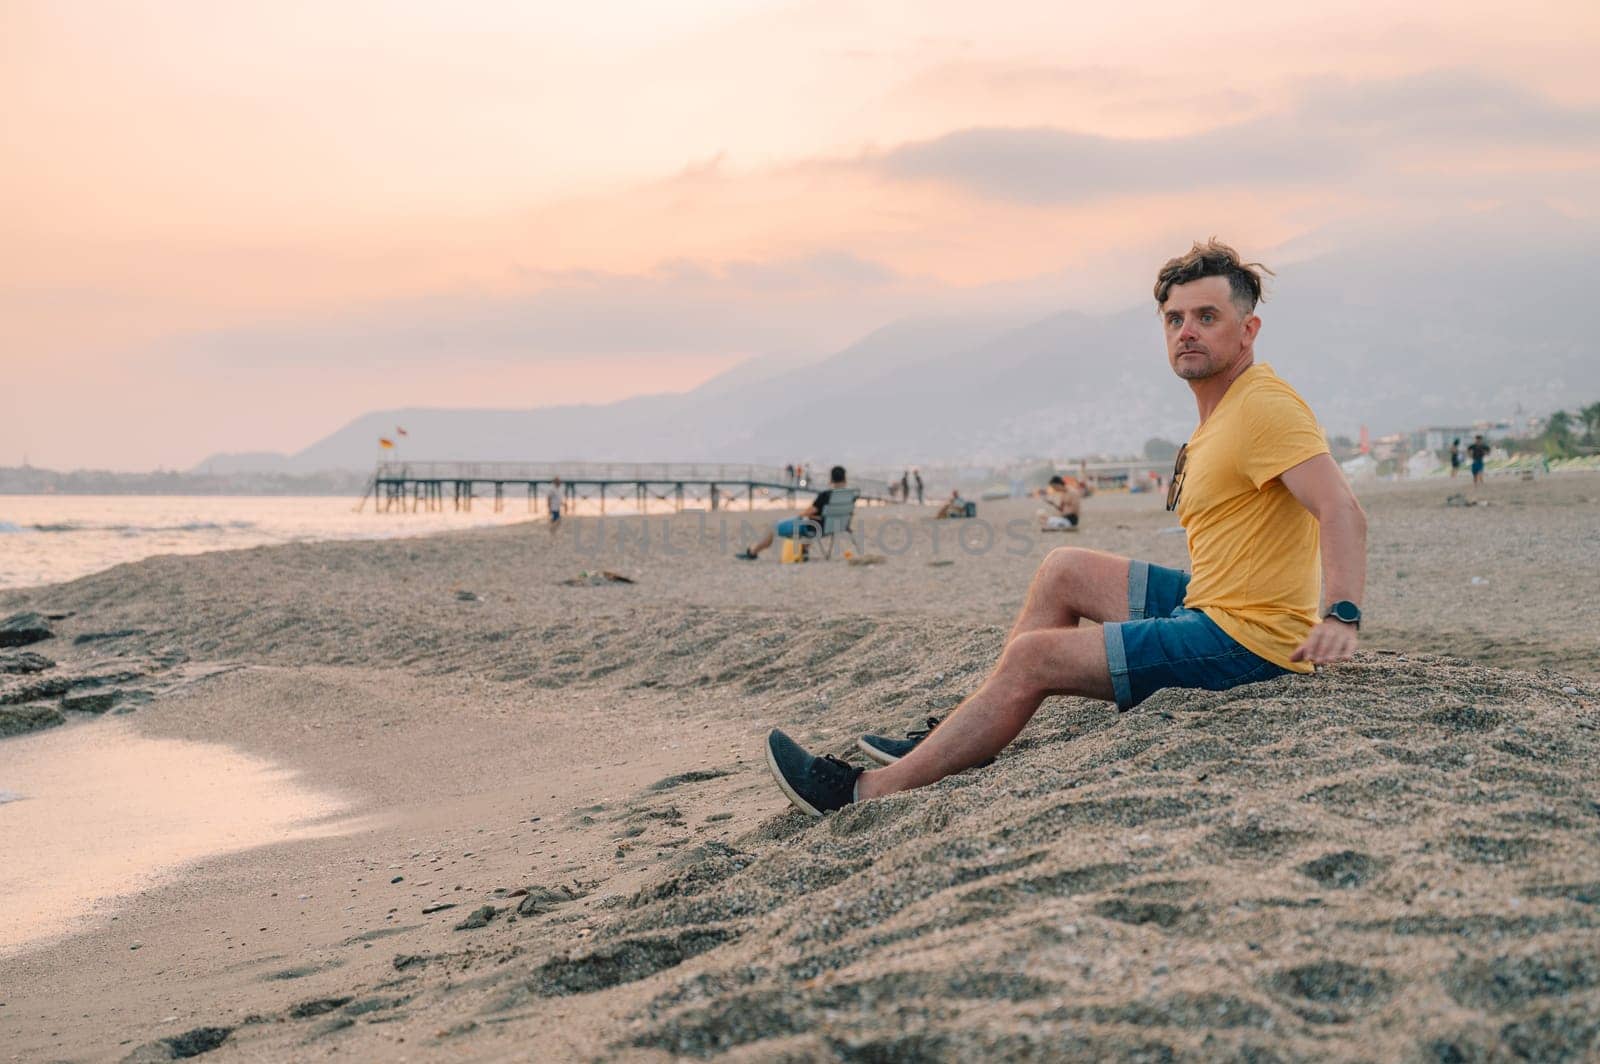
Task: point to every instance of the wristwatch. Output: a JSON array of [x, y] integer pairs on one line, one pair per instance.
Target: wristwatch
[[1346, 611]]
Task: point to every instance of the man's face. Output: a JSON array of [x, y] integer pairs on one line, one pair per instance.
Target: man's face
[[1206, 335]]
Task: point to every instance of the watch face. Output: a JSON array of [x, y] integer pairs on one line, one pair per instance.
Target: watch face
[[1346, 612]]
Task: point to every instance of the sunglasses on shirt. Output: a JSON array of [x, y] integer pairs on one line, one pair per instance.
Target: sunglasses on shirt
[[1175, 485]]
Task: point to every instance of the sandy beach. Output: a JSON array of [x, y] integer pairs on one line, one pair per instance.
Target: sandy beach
[[523, 819]]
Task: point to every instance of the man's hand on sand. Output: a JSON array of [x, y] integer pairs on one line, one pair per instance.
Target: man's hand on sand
[[1328, 642]]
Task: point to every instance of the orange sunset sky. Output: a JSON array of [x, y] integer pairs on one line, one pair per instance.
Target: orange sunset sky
[[234, 225]]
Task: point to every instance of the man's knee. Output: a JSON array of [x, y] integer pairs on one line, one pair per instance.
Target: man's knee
[[1063, 567], [1026, 662]]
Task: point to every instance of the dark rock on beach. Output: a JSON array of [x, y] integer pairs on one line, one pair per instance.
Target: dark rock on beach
[[23, 661], [101, 637], [110, 675], [23, 629], [33, 690], [318, 1006], [89, 701], [16, 720], [180, 1047], [479, 917], [556, 895]]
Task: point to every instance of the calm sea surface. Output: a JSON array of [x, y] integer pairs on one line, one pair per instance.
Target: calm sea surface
[[45, 539]]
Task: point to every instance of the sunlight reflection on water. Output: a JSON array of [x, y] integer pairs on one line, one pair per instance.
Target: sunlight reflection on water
[[98, 812]]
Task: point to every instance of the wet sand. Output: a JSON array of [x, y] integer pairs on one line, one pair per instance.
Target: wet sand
[[102, 812], [1398, 859]]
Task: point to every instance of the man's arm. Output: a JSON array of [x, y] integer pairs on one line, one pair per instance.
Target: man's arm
[[1321, 488]]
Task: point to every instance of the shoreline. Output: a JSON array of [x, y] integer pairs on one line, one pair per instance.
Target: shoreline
[[64, 538], [627, 720]]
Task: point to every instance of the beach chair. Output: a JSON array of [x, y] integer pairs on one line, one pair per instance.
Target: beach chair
[[835, 520]]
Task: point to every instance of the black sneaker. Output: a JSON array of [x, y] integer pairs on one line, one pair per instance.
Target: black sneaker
[[886, 751], [815, 784], [746, 555]]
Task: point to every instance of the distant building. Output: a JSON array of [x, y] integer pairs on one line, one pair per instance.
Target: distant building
[[1439, 437], [1385, 447]]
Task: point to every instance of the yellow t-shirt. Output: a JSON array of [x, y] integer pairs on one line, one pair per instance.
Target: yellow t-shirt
[[1253, 548]]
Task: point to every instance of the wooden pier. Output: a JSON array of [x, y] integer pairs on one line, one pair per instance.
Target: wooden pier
[[411, 487]]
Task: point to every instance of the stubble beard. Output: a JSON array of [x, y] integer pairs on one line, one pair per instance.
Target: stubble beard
[[1196, 369]]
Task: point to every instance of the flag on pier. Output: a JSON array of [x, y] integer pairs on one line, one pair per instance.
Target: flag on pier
[[387, 445]]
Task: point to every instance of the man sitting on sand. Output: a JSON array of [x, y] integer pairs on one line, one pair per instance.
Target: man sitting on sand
[[954, 506], [1063, 501], [1257, 493], [806, 526]]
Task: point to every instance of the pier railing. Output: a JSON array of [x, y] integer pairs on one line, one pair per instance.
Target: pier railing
[[421, 484]]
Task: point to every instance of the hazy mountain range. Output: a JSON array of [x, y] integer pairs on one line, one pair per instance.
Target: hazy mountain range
[[1441, 324]]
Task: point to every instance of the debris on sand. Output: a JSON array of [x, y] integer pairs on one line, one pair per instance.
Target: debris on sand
[[596, 577], [479, 917]]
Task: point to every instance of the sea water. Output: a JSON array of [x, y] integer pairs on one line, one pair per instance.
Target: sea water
[[95, 811], [45, 539]]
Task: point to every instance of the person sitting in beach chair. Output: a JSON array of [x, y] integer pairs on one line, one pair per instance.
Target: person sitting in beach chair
[[1260, 499], [1063, 502], [955, 506], [806, 526]]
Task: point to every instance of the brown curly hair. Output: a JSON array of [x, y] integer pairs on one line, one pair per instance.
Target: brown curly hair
[[1214, 259]]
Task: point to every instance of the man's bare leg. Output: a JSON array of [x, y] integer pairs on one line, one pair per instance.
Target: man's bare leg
[[763, 543], [1046, 653], [1074, 584], [1034, 665]]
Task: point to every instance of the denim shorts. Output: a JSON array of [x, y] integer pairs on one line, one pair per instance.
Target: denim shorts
[[1163, 644], [807, 527]]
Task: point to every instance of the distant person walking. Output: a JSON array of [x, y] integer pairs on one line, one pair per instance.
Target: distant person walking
[[1455, 456], [1478, 452], [917, 477], [553, 501], [905, 486]]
